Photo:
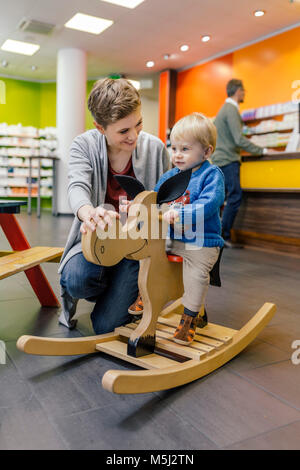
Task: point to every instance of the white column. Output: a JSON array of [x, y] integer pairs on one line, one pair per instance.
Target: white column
[[70, 113]]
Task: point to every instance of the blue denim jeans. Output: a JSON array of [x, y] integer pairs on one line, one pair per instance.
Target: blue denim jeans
[[233, 196], [113, 289]]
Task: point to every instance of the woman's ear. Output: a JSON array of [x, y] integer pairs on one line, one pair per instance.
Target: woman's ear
[[99, 127]]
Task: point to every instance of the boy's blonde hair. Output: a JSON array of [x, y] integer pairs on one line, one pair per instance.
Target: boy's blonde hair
[[112, 99], [197, 127]]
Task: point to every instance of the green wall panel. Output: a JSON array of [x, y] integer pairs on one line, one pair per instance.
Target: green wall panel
[[34, 104], [22, 103], [47, 105]]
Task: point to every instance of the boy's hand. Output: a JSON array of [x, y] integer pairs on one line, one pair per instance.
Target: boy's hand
[[95, 216], [171, 216]]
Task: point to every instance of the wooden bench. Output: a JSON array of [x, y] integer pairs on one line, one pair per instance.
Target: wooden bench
[[24, 257], [16, 261]]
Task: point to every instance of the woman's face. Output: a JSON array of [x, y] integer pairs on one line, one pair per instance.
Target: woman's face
[[122, 135]]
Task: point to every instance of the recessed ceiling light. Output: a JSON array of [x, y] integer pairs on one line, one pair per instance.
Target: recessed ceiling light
[[34, 68], [125, 3], [4, 63], [205, 38], [150, 63], [184, 48], [19, 47], [259, 13], [89, 24]]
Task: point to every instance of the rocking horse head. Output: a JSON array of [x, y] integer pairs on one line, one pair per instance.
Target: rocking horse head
[[133, 240]]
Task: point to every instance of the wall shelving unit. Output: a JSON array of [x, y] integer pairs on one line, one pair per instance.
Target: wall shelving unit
[[276, 126], [28, 159]]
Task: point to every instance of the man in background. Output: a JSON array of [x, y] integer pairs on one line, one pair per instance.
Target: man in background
[[230, 141]]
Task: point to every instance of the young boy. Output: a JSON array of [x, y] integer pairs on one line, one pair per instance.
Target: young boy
[[195, 225]]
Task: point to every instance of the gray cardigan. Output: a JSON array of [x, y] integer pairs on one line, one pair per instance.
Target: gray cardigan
[[88, 167], [230, 137]]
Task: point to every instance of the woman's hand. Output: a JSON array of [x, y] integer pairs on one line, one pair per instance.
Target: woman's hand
[[125, 205], [171, 216], [95, 216]]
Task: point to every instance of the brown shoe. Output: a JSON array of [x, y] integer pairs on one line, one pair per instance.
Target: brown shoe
[[137, 308], [202, 320], [186, 330]]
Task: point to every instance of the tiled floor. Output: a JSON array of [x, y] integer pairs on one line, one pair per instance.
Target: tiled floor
[[253, 402]]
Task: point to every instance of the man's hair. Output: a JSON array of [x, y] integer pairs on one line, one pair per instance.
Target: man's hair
[[197, 127], [233, 85], [112, 99]]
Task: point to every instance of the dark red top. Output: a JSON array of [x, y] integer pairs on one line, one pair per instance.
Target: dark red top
[[114, 190]]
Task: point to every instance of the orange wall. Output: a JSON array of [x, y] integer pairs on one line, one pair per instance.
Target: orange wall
[[268, 69], [202, 88], [163, 104]]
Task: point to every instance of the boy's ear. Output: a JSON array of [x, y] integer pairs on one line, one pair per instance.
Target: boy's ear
[[174, 187], [131, 185]]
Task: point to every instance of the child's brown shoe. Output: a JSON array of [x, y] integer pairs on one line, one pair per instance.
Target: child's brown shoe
[[137, 308], [202, 320], [186, 330]]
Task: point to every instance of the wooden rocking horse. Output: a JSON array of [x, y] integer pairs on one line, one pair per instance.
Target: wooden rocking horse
[[148, 343]]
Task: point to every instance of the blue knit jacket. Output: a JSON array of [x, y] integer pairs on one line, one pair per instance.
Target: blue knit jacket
[[199, 208]]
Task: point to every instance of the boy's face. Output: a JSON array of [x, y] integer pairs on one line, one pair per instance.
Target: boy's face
[[187, 153], [122, 135]]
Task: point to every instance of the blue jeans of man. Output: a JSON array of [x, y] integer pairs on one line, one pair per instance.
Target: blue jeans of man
[[113, 289], [233, 196]]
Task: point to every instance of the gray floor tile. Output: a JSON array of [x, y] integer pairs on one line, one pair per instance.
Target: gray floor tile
[[284, 438], [281, 380], [26, 426], [14, 388], [26, 316], [141, 425], [227, 408], [69, 384], [12, 288], [257, 354]]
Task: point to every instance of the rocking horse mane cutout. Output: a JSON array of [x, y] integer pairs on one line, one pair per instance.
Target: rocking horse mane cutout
[[174, 187], [131, 185]]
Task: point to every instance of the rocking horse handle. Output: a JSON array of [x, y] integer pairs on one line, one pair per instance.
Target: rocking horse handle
[[170, 190]]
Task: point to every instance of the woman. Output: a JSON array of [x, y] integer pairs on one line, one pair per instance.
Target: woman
[[117, 145]]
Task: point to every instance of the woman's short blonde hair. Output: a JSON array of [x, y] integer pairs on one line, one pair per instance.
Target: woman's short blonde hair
[[196, 127], [112, 99]]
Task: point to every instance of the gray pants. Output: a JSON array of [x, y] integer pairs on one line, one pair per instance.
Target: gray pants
[[197, 264]]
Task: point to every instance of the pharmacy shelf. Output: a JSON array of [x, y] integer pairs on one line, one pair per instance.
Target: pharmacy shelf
[[40, 143], [25, 195], [266, 117], [290, 129]]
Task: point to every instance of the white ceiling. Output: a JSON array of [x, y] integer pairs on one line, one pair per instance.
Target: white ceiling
[[154, 28]]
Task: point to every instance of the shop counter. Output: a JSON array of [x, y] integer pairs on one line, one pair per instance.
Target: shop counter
[[269, 216]]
